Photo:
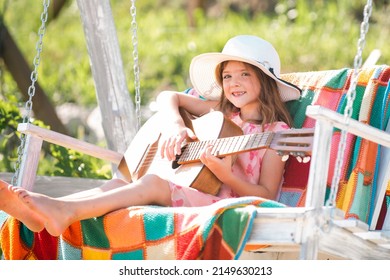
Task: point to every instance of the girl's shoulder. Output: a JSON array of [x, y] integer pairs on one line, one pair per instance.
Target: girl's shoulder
[[276, 126]]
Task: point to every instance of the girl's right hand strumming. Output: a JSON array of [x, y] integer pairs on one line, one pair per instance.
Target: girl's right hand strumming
[[172, 143]]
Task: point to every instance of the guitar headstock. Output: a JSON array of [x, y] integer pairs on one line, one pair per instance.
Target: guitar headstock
[[294, 142]]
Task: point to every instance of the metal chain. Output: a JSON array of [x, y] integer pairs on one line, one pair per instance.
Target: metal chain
[[134, 38], [351, 94], [31, 89]]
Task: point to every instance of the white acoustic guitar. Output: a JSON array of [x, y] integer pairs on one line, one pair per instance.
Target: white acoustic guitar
[[143, 157]]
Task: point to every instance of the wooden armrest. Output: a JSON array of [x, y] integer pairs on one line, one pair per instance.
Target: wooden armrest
[[353, 126], [70, 142]]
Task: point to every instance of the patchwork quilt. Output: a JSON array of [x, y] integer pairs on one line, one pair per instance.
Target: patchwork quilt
[[218, 231], [362, 158]]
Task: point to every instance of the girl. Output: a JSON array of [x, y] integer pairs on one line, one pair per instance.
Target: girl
[[243, 82]]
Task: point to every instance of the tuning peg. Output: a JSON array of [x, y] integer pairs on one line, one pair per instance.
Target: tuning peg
[[285, 158], [306, 159], [294, 154]]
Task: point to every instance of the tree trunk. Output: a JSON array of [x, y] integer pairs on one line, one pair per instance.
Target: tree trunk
[[57, 6], [21, 72]]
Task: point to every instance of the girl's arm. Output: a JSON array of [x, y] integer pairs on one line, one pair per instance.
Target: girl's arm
[[271, 175], [176, 132], [170, 101]]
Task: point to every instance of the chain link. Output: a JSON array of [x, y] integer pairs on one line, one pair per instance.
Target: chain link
[[31, 90], [134, 38], [351, 94]]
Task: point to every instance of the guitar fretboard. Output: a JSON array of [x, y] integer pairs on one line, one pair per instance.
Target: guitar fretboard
[[226, 146]]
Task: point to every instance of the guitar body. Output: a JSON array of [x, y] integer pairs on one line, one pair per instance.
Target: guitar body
[[143, 155]]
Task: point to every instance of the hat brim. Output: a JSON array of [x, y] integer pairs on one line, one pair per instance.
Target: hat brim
[[202, 75]]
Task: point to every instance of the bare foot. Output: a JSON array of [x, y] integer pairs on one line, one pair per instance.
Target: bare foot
[[10, 203], [53, 212]]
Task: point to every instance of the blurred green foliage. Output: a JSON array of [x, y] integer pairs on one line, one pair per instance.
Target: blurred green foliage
[[55, 160], [70, 163], [309, 35], [9, 119]]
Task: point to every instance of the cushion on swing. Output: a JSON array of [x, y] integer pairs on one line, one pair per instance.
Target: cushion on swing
[[359, 171]]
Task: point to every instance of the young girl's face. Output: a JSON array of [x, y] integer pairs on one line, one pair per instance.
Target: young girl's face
[[241, 87]]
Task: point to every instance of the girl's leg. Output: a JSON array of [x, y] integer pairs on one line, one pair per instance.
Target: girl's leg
[[58, 214], [109, 185], [11, 204]]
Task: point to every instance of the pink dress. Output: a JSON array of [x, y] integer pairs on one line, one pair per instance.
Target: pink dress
[[246, 166]]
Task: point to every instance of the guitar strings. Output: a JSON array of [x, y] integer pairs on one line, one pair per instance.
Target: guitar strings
[[222, 146]]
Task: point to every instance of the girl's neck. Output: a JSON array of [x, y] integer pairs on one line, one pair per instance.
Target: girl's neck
[[249, 119], [250, 116]]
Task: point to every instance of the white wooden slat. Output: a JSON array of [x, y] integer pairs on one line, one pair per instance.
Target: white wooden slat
[[352, 225], [29, 165], [341, 242], [115, 104], [58, 186], [378, 237], [382, 182], [282, 226], [70, 142], [353, 126]]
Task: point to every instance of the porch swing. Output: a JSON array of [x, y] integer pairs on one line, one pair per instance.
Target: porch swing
[[300, 225]]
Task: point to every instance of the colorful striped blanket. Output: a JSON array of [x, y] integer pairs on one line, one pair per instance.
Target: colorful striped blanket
[[218, 231]]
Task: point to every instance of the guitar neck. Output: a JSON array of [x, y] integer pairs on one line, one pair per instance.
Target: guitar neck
[[226, 146]]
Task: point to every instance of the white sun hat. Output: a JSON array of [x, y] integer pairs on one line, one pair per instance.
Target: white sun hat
[[246, 48]]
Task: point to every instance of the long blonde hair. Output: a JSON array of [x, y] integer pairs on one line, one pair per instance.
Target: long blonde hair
[[271, 107]]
